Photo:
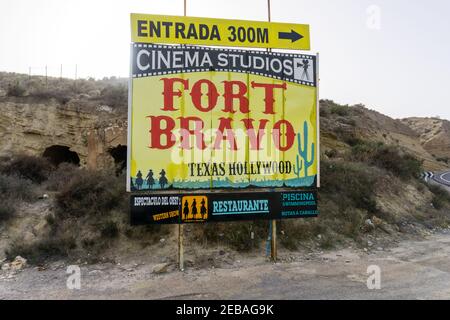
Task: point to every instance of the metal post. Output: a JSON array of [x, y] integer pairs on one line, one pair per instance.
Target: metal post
[[273, 229], [180, 226], [29, 72], [60, 73], [318, 120], [180, 247], [273, 243], [46, 79]]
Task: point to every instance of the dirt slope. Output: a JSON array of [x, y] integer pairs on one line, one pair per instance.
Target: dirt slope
[[434, 136], [342, 122]]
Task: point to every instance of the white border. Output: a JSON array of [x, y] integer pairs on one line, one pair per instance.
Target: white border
[[317, 121], [130, 97]]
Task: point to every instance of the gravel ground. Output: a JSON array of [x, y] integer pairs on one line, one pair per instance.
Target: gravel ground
[[410, 270]]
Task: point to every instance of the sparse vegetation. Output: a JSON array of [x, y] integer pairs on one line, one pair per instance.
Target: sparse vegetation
[[109, 230], [115, 96], [33, 168], [13, 191], [443, 159], [237, 235], [89, 213], [441, 197], [88, 93], [90, 194], [347, 184], [41, 250], [59, 177], [393, 159], [15, 90], [7, 210], [330, 107], [63, 96]]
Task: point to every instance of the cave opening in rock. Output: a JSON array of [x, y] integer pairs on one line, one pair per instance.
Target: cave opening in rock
[[59, 154], [119, 155]]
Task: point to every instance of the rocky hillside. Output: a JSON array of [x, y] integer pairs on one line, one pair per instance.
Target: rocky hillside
[[434, 136], [349, 123], [370, 174], [82, 121], [89, 117]]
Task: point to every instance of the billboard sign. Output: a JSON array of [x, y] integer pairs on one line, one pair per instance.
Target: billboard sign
[[221, 207], [147, 28], [208, 118]]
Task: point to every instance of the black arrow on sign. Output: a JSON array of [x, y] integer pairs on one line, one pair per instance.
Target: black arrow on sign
[[293, 36]]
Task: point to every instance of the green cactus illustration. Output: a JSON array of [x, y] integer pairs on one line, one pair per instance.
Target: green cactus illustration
[[298, 167], [304, 152]]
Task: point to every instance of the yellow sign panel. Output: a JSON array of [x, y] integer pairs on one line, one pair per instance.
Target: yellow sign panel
[[218, 32], [194, 208], [205, 118]]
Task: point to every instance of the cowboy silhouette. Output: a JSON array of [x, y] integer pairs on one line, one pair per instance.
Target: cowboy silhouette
[[194, 209], [186, 210], [139, 180], [203, 208], [162, 179], [150, 180]]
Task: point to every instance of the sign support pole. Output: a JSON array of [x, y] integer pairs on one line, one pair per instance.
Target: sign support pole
[[180, 225], [273, 237], [180, 247]]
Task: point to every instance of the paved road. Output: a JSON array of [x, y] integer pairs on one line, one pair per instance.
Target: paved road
[[442, 178]]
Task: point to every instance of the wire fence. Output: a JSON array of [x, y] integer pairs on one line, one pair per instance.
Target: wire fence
[[55, 71]]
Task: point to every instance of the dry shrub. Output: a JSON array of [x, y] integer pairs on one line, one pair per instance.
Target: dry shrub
[[16, 90], [351, 185], [90, 214], [393, 159], [14, 190], [33, 168], [63, 96], [115, 95], [41, 250], [58, 178], [441, 197], [7, 209], [237, 235], [148, 234], [91, 193]]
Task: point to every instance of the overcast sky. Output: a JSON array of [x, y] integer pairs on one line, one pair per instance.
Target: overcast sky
[[391, 55]]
